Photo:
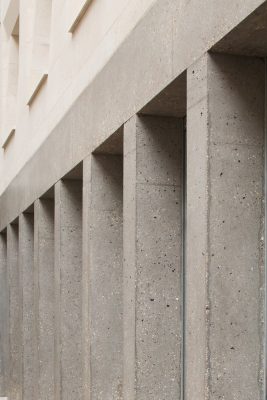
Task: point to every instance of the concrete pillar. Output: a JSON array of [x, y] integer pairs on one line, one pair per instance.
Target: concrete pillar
[[4, 342], [68, 290], [86, 213], [106, 276], [15, 316], [29, 344], [224, 343], [44, 295], [152, 237]]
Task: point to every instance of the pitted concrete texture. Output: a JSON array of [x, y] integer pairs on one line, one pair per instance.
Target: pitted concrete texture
[[68, 290], [15, 316], [106, 277], [29, 344], [44, 294], [3, 315], [225, 233], [153, 195]]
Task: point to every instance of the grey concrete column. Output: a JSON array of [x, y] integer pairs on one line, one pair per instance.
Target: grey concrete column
[[15, 316], [4, 323], [44, 295], [29, 344], [105, 276], [86, 216], [152, 240], [224, 344], [68, 290]]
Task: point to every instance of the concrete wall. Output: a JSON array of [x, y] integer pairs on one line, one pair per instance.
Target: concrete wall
[[225, 275]]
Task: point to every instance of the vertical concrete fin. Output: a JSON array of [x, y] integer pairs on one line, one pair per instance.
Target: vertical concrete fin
[[44, 295], [68, 290], [225, 229], [15, 315], [26, 267], [3, 315], [197, 232], [86, 263], [106, 276], [153, 204], [129, 259]]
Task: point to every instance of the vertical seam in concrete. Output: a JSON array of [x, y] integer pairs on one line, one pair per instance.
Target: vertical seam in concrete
[[8, 312], [86, 275], [208, 188], [22, 300], [261, 266], [135, 246], [57, 354], [90, 261], [36, 289], [183, 261], [261, 329], [4, 311], [20, 288], [265, 237]]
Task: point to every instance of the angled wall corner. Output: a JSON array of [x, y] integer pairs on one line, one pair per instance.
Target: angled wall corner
[[40, 49], [10, 14], [76, 11]]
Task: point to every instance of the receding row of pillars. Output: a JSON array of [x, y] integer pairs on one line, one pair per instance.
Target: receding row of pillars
[[142, 278]]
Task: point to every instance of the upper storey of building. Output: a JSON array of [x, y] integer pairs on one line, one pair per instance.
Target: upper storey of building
[[50, 52]]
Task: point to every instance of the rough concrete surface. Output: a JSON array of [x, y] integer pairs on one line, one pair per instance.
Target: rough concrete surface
[[106, 278], [4, 310], [68, 290], [44, 295], [153, 187], [29, 339], [225, 229], [14, 389]]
